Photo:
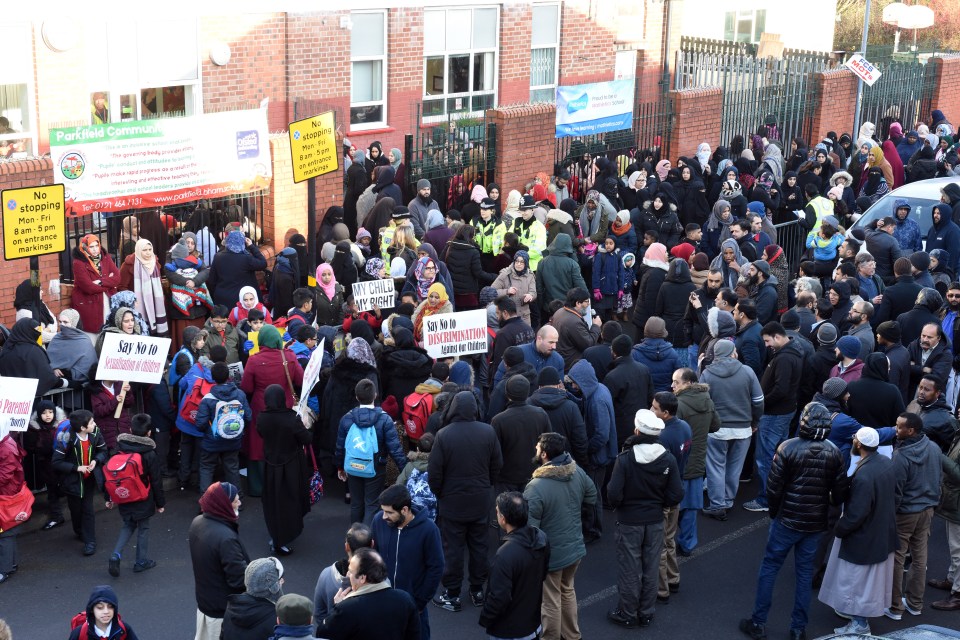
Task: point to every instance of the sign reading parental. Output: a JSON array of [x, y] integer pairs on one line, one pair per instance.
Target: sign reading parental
[[132, 358], [16, 403], [374, 292], [455, 334]]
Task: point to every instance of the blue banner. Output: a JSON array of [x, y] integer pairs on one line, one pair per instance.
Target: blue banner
[[586, 109]]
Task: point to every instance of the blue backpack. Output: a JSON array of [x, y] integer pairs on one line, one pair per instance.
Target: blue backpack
[[418, 484], [61, 438], [361, 450]]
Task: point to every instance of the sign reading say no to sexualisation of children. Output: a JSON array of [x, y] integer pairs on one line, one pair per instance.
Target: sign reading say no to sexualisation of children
[[374, 292], [446, 335], [132, 358]]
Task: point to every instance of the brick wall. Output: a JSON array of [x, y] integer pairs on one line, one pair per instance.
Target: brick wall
[[588, 51], [697, 116], [516, 32], [837, 91], [946, 93], [519, 129]]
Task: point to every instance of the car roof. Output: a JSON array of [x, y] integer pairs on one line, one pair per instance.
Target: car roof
[[922, 188]]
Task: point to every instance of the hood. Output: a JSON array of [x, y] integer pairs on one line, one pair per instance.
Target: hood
[[561, 245], [730, 243], [135, 444], [914, 449], [720, 323], [679, 272], [248, 611], [528, 537], [559, 216], [103, 593], [463, 408], [876, 367], [549, 398], [929, 299], [434, 219], [583, 374], [952, 191], [385, 178], [647, 453], [724, 367], [654, 349], [696, 397], [840, 174], [560, 468]]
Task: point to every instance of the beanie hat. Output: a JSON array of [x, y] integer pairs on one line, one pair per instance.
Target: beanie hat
[[723, 348], [462, 373], [621, 346], [363, 233], [549, 377], [683, 251], [849, 346], [422, 183], [512, 356], [920, 260], [487, 296], [833, 388], [836, 192], [763, 267], [890, 330], [72, 316], [179, 251], [791, 320], [868, 437], [827, 335], [518, 388], [294, 610], [647, 423], [46, 405], [262, 578], [655, 328]]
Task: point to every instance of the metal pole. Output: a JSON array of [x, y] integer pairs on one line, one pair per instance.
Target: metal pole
[[311, 223], [863, 51]]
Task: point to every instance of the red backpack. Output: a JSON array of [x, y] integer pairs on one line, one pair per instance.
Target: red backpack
[[192, 402], [124, 477], [80, 620], [417, 408]]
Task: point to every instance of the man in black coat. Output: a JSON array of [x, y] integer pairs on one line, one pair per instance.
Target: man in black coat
[[899, 297], [464, 465], [630, 385], [884, 248], [888, 343], [699, 304], [251, 615], [928, 303], [930, 355], [740, 231], [766, 297], [518, 427], [515, 366], [514, 593], [513, 331], [938, 422], [564, 414], [872, 400]]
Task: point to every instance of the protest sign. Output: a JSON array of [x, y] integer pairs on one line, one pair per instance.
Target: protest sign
[[381, 293], [311, 375], [132, 358], [455, 334], [16, 403]]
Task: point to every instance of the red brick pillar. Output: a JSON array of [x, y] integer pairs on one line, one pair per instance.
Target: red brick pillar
[[946, 91], [836, 92], [525, 135], [697, 118]]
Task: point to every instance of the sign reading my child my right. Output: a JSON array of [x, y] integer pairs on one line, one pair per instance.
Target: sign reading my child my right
[[381, 293], [446, 335]]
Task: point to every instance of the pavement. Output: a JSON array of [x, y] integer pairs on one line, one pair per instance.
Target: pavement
[[717, 581]]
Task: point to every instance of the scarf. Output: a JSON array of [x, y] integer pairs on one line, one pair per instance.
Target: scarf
[[373, 267], [27, 297], [526, 263], [590, 221], [428, 309], [478, 194], [423, 285], [329, 289], [715, 221], [85, 249], [398, 158], [663, 168], [217, 502], [703, 154], [149, 290], [359, 350]]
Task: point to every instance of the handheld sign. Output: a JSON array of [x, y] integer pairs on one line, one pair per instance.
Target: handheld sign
[[132, 358], [311, 374], [381, 293], [446, 335], [16, 403]]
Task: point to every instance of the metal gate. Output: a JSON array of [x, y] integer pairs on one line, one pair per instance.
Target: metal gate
[[454, 154], [903, 94]]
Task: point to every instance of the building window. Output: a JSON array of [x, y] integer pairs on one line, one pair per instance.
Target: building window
[[368, 70], [128, 80], [744, 25], [544, 52], [460, 60], [17, 128]]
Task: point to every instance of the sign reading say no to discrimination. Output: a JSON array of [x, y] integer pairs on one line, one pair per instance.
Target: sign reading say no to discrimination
[[447, 335]]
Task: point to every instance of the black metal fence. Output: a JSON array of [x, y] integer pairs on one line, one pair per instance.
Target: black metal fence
[[792, 238], [902, 94]]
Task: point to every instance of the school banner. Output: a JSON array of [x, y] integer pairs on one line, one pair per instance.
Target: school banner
[[381, 293], [16, 403], [132, 358], [446, 335], [586, 109], [150, 163]]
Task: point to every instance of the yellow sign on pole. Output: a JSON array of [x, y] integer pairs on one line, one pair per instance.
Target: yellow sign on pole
[[313, 146], [33, 221]]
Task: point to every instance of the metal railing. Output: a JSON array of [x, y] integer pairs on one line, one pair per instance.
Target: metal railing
[[792, 238], [902, 95]]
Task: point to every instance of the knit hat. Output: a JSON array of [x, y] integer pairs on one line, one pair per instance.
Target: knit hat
[[72, 316], [621, 346], [179, 251], [723, 348], [790, 320], [487, 296], [488, 203], [890, 330], [461, 372], [655, 328], [836, 192], [849, 346], [920, 260], [868, 437], [46, 405], [422, 183], [683, 251], [647, 423], [763, 267], [834, 388], [512, 356], [517, 388], [363, 233], [294, 610], [827, 335], [262, 577], [549, 377]]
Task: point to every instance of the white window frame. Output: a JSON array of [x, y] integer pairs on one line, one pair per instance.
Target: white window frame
[[556, 55], [27, 78], [193, 89], [470, 52], [744, 14], [378, 124]]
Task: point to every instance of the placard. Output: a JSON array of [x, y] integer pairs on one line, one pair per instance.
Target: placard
[[586, 109], [311, 374], [446, 335], [16, 403], [313, 146], [862, 69], [33, 221], [381, 292], [132, 358]]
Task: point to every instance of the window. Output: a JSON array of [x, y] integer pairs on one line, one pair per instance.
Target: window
[[744, 25], [460, 60], [130, 79], [544, 52], [368, 70], [17, 128]]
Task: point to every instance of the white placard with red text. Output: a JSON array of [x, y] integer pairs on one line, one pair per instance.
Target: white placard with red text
[[446, 335], [16, 403]]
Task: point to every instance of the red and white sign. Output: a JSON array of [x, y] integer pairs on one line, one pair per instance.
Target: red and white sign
[[863, 69], [16, 403], [446, 335]]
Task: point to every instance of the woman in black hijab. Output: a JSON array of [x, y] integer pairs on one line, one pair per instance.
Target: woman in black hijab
[[344, 267], [23, 357], [299, 244], [27, 297]]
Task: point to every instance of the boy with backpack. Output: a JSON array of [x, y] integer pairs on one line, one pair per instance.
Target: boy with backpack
[[365, 436], [302, 312], [222, 417], [101, 618], [193, 386], [414, 477], [77, 454], [135, 485]]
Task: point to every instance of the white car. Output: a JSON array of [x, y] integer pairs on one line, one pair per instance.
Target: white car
[[922, 196]]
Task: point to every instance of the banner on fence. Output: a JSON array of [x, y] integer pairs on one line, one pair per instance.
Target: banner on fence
[[585, 109], [311, 375], [374, 292], [862, 69], [446, 335], [150, 163], [16, 403], [132, 358]]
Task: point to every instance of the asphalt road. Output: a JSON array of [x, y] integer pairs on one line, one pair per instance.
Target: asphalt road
[[717, 582]]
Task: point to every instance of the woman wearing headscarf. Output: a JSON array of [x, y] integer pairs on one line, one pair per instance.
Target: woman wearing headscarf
[[236, 267], [284, 280], [663, 168], [773, 161], [29, 299], [462, 257], [140, 273], [493, 192], [889, 151], [70, 350], [435, 303], [248, 300], [129, 234], [375, 157], [518, 282], [691, 193], [717, 228], [190, 300], [875, 186], [471, 210], [511, 210], [594, 217], [654, 272], [777, 260], [395, 158], [124, 321], [344, 266], [729, 261], [23, 357], [153, 229], [867, 129], [129, 300], [330, 295], [425, 272], [95, 279], [299, 244], [922, 165], [746, 164], [384, 186], [703, 157], [358, 179], [286, 494]]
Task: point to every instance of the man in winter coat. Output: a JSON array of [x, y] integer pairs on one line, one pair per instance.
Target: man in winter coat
[[924, 312], [540, 353], [872, 401], [563, 413], [515, 366], [750, 348], [695, 318], [630, 386], [645, 481], [656, 354], [945, 234], [900, 297], [558, 494], [514, 593], [331, 578], [738, 398], [938, 422], [518, 427], [766, 297], [849, 367], [465, 462], [513, 331], [410, 544], [574, 335], [218, 447], [598, 414], [251, 615], [807, 476], [930, 355], [916, 460], [907, 230], [558, 272], [421, 206], [888, 343]]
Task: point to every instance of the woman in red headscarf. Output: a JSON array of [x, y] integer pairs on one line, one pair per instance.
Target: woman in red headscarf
[[95, 279]]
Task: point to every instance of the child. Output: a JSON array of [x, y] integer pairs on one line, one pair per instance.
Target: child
[[38, 440], [609, 279], [248, 301], [825, 244], [649, 237], [302, 313], [194, 346], [374, 318], [414, 476], [105, 395], [214, 448], [250, 330], [78, 451], [102, 619], [692, 234], [220, 331], [625, 304], [136, 515]]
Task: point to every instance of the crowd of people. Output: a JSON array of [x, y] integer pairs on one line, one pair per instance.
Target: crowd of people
[[649, 350]]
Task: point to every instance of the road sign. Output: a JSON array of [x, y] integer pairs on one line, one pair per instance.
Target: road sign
[[33, 221], [863, 69], [313, 146]]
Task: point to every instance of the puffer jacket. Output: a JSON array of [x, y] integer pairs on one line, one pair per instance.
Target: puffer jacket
[[949, 507], [665, 222], [463, 261], [696, 408], [806, 477], [558, 272], [672, 301], [917, 463], [598, 415], [659, 357]]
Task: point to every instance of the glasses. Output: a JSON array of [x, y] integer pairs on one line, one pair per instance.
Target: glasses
[[429, 268]]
